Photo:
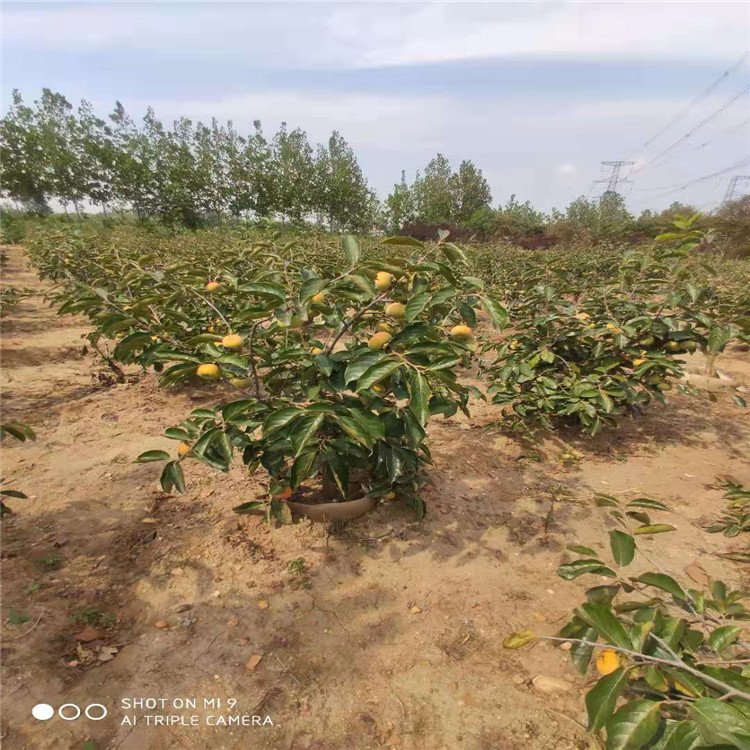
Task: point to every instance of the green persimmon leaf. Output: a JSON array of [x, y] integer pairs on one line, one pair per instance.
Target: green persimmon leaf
[[633, 726], [419, 396], [602, 698], [303, 467], [304, 431], [361, 363], [646, 502], [581, 550], [498, 314], [149, 456], [600, 617], [663, 582], [400, 240], [279, 419], [623, 547], [572, 570], [720, 723], [378, 372], [723, 637]]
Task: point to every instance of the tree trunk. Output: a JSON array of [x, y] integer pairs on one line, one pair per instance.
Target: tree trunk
[[710, 361], [330, 488]]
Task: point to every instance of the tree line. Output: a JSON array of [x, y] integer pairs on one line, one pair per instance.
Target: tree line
[[192, 174], [183, 174]]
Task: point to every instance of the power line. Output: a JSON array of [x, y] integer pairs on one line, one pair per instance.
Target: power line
[[702, 95], [687, 135], [726, 131], [675, 188]]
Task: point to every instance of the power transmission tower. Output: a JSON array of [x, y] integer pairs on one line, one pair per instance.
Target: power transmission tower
[[733, 189], [614, 178]]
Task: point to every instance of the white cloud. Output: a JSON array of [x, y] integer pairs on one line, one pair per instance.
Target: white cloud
[[458, 31], [387, 122], [566, 171], [371, 34]]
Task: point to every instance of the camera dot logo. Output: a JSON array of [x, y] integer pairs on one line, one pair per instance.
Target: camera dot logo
[[69, 711], [43, 711]]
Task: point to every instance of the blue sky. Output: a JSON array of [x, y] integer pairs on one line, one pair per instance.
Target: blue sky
[[536, 94]]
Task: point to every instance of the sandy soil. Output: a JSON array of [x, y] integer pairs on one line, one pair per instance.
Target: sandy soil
[[392, 636]]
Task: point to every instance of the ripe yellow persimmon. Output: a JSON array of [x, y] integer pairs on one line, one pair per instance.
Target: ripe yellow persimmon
[[183, 448], [379, 340], [460, 332], [607, 662], [383, 281], [212, 286], [316, 350], [395, 310], [232, 341], [209, 372]]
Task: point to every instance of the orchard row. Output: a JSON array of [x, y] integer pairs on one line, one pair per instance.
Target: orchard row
[[340, 354]]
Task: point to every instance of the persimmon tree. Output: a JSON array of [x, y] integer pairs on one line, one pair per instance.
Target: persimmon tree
[[589, 355], [339, 375]]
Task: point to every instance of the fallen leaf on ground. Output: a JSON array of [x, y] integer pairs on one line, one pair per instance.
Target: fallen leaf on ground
[[415, 610], [233, 623], [697, 574], [253, 661], [107, 652], [88, 634], [161, 624], [262, 604]]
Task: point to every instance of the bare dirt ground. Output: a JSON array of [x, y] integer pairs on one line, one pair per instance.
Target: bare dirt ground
[[391, 635]]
